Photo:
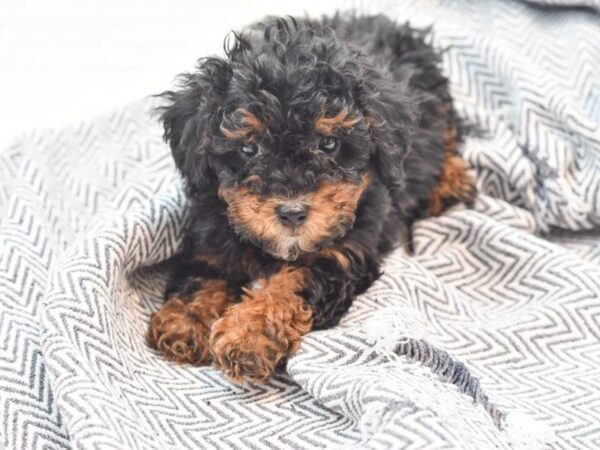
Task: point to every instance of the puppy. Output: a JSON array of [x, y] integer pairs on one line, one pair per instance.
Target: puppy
[[305, 154]]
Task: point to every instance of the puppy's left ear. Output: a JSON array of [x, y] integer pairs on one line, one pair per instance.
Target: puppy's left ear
[[190, 122], [392, 116]]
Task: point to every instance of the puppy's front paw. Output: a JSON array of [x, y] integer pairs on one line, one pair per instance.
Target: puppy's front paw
[[247, 344], [179, 335], [180, 330], [249, 341]]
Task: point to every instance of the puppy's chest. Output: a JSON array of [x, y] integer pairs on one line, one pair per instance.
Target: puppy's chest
[[240, 264]]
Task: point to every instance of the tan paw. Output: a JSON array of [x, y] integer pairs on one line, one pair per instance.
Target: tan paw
[[178, 334], [246, 345]]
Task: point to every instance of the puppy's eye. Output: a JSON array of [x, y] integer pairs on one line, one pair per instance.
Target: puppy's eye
[[249, 150], [328, 144]]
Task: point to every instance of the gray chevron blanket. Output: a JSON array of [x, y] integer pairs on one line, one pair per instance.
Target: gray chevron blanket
[[489, 337]]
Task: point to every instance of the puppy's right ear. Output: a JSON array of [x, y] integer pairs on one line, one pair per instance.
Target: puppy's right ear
[[190, 119]]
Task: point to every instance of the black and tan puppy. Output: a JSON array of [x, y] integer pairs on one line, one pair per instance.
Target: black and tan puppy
[[306, 153]]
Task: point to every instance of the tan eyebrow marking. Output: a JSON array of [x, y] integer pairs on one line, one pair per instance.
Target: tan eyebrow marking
[[327, 125], [252, 125]]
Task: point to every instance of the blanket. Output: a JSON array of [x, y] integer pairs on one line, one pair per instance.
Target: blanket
[[488, 337]]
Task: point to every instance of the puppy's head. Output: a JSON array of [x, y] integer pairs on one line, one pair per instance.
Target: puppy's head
[[289, 130]]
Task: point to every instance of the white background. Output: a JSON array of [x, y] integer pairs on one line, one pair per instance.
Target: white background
[[66, 60]]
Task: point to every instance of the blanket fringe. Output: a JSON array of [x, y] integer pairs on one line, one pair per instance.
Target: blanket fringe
[[523, 432]]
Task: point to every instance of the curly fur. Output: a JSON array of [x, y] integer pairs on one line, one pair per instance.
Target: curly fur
[[247, 134]]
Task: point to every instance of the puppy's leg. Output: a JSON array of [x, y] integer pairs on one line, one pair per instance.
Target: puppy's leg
[[456, 184], [254, 336], [180, 329]]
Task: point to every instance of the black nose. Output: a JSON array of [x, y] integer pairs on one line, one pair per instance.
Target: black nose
[[292, 214]]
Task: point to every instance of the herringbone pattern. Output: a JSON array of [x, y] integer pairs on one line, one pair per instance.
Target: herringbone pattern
[[488, 337]]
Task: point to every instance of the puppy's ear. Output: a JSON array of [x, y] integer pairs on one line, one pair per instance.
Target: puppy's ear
[[392, 116], [189, 119]]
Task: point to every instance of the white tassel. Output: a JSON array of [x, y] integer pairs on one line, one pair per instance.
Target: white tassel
[[391, 326], [524, 433]]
